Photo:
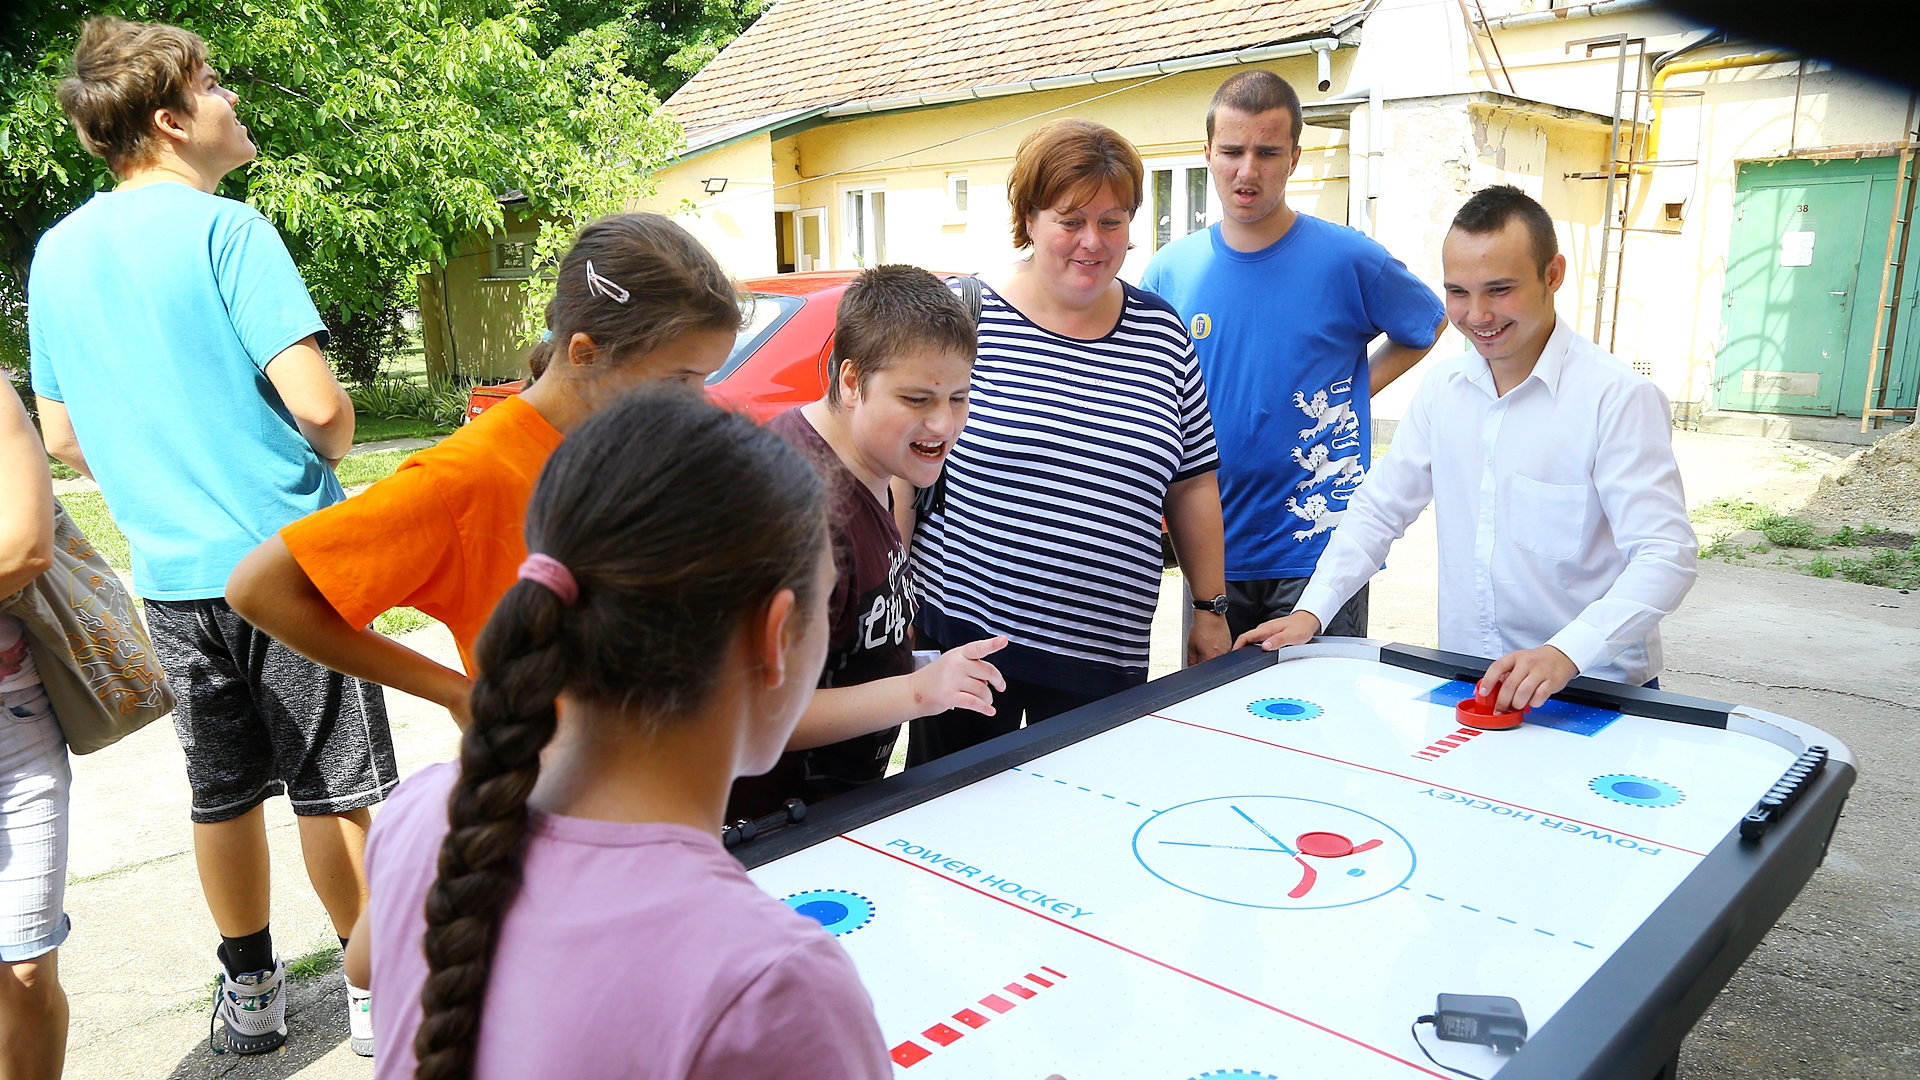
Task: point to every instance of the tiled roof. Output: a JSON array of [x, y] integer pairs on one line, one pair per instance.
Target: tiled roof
[[808, 53]]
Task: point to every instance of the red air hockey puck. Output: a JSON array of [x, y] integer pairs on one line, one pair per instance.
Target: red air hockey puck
[[1477, 712]]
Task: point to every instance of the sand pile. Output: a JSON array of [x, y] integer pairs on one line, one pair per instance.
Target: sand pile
[[1880, 483]]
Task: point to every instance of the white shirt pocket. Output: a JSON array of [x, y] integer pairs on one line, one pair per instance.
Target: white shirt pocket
[[1547, 519]]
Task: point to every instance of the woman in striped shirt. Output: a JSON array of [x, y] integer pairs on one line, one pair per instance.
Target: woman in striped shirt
[[1088, 425]]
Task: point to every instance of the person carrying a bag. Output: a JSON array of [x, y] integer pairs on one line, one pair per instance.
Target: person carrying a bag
[[34, 777], [77, 673]]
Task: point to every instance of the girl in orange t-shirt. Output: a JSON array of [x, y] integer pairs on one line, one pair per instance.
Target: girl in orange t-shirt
[[638, 300]]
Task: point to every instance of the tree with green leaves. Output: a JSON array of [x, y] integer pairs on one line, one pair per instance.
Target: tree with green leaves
[[388, 129]]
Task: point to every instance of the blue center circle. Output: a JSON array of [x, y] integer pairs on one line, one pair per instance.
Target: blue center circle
[[824, 912], [838, 912], [1284, 708], [1637, 790]]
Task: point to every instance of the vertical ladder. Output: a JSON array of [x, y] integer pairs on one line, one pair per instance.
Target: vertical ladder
[[1886, 322]]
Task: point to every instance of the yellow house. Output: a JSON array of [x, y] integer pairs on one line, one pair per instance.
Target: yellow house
[[1728, 234]]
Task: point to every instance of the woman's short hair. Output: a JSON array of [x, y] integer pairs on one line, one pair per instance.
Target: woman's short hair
[[1067, 163], [121, 73]]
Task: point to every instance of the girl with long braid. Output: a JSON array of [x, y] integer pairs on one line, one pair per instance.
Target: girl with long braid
[[559, 904]]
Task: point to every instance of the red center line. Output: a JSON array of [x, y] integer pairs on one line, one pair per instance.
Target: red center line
[[1151, 960], [1429, 783]]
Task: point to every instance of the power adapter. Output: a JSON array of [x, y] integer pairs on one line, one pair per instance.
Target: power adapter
[[1474, 1018]]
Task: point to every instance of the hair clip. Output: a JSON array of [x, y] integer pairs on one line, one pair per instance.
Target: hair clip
[[546, 336], [606, 287]]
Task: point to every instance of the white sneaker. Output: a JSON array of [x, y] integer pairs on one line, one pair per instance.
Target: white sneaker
[[254, 1005], [360, 1020]]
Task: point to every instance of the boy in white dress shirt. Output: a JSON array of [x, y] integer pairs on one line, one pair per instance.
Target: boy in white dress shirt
[[1563, 530]]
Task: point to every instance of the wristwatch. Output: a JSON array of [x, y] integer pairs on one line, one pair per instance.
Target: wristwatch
[[1217, 605]]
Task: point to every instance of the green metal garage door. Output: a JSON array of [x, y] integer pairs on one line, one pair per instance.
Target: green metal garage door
[[1803, 282]]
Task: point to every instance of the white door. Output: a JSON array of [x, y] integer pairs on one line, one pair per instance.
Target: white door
[[810, 241]]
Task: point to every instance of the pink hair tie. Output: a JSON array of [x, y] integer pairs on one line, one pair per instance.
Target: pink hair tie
[[551, 572]]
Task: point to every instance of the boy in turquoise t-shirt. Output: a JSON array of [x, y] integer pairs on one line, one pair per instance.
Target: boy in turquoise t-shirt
[[176, 358]]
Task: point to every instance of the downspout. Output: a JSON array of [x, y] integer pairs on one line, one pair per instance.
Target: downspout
[[1369, 181], [1682, 67]]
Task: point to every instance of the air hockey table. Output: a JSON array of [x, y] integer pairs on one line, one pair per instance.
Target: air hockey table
[[1271, 864]]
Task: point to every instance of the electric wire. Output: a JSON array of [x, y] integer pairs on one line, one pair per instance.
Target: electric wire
[[1414, 1028]]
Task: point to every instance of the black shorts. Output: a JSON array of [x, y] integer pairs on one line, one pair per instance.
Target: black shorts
[[1250, 603], [257, 719]]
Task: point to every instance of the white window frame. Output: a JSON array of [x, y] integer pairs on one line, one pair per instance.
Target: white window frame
[[863, 236], [958, 187], [1180, 209]]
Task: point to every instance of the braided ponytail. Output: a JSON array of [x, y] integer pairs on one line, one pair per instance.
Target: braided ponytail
[[513, 720], [675, 518]]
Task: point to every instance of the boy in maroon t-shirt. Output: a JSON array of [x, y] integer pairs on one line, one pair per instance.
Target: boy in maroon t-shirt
[[903, 348]]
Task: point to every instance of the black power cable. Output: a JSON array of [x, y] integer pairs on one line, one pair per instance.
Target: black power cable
[[1414, 1029]]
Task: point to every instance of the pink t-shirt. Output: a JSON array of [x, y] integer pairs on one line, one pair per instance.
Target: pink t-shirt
[[632, 952]]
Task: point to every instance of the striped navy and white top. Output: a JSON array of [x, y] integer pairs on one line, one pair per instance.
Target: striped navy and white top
[[1051, 528]]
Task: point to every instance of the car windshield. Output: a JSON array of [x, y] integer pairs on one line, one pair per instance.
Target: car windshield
[[764, 313]]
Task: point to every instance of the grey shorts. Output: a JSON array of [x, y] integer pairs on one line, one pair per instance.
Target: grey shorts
[[257, 719], [34, 783], [1250, 603]]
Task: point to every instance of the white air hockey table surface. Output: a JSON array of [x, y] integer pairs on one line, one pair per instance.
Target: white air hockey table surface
[[1270, 865]]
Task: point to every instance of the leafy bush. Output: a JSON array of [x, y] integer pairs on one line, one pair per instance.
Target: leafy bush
[[442, 403], [363, 341], [401, 620], [1821, 567]]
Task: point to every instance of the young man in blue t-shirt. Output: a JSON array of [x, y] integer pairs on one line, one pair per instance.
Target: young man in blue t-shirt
[[1282, 307], [176, 358]]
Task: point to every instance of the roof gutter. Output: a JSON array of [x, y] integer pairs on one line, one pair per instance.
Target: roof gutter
[[1260, 54], [1576, 11]]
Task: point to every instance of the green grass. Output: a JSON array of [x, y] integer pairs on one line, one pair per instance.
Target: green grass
[[1789, 531], [61, 470], [369, 428], [401, 620], [367, 468], [1888, 568], [1743, 512], [89, 511], [315, 964]]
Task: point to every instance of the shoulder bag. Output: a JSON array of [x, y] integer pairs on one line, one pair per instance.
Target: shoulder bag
[[84, 630]]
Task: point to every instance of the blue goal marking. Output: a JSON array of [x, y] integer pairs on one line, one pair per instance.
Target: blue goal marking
[[1285, 708], [1637, 790], [838, 912], [1559, 715]]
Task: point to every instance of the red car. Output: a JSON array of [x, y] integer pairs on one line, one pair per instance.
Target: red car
[[778, 361]]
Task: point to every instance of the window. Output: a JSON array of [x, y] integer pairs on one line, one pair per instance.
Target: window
[[956, 196], [764, 313], [865, 224], [1183, 200], [512, 257]]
